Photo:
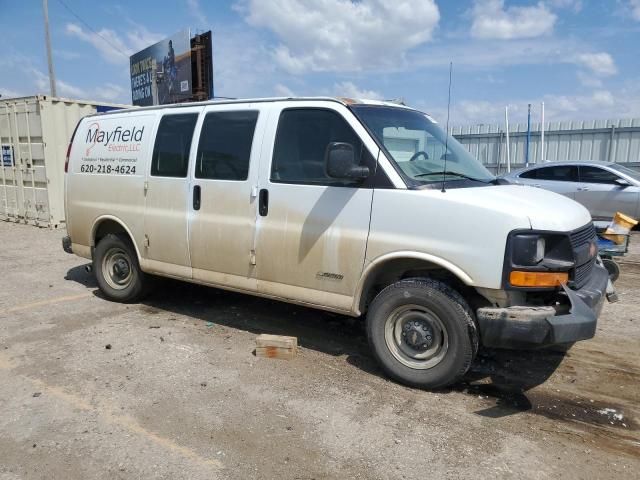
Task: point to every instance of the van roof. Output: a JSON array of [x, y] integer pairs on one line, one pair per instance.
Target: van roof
[[342, 100]]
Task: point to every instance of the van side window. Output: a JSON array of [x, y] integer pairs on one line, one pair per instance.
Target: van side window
[[301, 143], [173, 143], [224, 149]]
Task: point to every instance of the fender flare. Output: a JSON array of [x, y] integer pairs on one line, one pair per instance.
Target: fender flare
[[410, 255], [101, 219]]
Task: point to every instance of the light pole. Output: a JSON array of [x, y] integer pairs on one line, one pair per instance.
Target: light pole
[[506, 129]]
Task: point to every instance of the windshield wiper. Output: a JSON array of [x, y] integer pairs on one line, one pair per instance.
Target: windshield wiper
[[455, 174]]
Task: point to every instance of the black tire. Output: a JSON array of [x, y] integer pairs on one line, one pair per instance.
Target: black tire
[[117, 270], [612, 267], [405, 313]]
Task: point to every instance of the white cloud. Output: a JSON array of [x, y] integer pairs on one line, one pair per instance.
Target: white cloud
[[589, 80], [196, 12], [350, 90], [113, 48], [241, 64], [9, 93], [635, 9], [111, 92], [63, 89], [283, 91], [36, 81], [66, 54], [342, 35], [140, 38], [491, 19], [599, 104], [599, 63], [575, 5]]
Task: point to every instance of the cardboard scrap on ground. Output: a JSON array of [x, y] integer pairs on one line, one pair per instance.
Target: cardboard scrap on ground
[[276, 346]]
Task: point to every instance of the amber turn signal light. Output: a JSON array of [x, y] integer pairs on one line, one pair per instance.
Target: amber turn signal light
[[537, 279]]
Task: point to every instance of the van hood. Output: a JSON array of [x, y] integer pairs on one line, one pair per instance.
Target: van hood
[[542, 209]]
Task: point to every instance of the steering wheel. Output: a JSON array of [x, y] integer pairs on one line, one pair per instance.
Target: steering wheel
[[415, 156]]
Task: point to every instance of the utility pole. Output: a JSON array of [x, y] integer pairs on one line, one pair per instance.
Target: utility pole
[[52, 76], [526, 151]]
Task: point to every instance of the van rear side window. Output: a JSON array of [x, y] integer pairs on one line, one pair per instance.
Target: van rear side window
[[225, 145], [173, 143]]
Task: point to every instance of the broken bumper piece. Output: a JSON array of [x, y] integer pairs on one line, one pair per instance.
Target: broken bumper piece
[[534, 327]]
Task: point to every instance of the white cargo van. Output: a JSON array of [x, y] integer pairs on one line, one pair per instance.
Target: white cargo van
[[358, 207]]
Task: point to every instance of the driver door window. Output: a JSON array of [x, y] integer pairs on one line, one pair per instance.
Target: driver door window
[[301, 144], [597, 175]]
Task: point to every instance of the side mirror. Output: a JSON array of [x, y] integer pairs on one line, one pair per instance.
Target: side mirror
[[340, 162], [621, 182]]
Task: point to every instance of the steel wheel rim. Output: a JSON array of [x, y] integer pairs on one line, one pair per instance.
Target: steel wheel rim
[[429, 324], [117, 269]]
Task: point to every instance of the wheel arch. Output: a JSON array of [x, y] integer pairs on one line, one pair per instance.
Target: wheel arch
[[394, 266], [106, 224]]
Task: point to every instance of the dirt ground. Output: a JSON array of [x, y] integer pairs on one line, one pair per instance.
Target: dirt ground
[[170, 388]]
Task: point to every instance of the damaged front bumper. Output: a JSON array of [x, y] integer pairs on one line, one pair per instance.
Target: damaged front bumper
[[534, 327]]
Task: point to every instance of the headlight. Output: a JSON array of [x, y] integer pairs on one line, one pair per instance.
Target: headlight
[[528, 250], [538, 260]]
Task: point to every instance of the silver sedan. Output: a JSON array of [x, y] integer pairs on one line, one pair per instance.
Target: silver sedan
[[603, 187]]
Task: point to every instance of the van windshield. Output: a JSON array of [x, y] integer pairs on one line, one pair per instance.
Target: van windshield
[[416, 144]]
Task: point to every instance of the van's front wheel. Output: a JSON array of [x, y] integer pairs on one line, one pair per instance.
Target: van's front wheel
[[118, 273], [422, 333]]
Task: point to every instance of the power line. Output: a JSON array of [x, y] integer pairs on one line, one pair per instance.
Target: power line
[[89, 27]]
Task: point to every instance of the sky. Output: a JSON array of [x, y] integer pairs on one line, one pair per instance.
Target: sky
[[580, 57]]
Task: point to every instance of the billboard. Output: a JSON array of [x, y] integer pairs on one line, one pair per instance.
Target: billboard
[[161, 73]]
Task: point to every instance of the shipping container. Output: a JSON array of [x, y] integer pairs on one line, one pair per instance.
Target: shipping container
[[34, 135]]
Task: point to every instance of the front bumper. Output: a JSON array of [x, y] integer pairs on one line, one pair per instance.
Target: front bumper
[[533, 327]]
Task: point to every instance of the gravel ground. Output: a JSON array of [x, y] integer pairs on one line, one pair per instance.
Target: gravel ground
[[170, 388]]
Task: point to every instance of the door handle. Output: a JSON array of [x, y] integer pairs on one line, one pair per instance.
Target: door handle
[[583, 189], [537, 185], [263, 202], [196, 197]]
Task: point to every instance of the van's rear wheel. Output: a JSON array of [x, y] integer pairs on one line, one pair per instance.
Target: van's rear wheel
[[118, 273], [422, 332]]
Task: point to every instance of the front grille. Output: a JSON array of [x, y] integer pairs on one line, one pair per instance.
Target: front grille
[[583, 236], [581, 240]]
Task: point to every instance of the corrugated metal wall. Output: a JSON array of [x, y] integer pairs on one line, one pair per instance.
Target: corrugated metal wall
[[605, 140]]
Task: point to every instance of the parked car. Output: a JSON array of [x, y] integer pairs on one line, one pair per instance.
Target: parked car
[[604, 188], [363, 208]]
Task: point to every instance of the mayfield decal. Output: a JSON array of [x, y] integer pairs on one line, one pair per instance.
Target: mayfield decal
[[114, 146]]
